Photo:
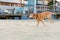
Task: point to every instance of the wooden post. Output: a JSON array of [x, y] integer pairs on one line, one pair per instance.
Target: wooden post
[[6, 17], [12, 17], [20, 17]]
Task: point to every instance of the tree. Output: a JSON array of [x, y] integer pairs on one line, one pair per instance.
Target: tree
[[51, 3]]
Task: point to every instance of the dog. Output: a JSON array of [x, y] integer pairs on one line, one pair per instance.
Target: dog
[[41, 16]]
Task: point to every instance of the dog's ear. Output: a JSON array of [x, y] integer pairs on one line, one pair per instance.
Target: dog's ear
[[34, 14]]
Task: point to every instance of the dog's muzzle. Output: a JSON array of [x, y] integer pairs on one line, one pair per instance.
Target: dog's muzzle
[[30, 17]]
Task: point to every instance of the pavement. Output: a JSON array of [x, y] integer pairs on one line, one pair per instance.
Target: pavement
[[27, 30]]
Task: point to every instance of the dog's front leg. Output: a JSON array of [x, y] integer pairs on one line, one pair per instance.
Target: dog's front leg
[[38, 22]]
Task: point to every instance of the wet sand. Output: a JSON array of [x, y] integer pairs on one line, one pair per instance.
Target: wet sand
[[27, 30]]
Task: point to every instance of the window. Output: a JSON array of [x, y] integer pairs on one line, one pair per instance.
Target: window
[[25, 0]]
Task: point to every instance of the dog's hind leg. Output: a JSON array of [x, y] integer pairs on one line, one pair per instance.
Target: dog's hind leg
[[43, 23], [51, 20], [38, 21]]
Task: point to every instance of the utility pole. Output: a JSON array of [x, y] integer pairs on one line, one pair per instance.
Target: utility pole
[[53, 5], [35, 11]]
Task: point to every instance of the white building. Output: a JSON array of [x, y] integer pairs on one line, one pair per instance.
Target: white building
[[9, 4], [58, 4]]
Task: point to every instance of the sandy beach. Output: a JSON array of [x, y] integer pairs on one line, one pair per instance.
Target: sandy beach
[[27, 30]]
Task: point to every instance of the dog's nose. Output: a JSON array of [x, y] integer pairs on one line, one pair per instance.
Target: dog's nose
[[30, 16]]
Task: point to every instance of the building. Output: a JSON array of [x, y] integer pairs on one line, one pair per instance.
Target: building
[[40, 4], [10, 3], [37, 1], [43, 1]]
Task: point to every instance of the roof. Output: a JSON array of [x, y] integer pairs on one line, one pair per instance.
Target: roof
[[12, 1]]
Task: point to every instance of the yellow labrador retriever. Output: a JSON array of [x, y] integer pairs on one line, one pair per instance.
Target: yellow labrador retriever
[[41, 16]]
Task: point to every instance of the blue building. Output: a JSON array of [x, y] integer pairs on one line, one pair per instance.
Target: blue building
[[29, 5]]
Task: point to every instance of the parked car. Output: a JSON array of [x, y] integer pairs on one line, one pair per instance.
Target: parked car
[[8, 11], [1, 11]]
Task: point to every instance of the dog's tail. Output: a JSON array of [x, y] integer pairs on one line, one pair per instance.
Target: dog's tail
[[53, 13]]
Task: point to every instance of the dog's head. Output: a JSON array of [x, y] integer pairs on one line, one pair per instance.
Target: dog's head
[[32, 16]]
